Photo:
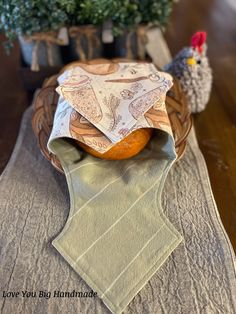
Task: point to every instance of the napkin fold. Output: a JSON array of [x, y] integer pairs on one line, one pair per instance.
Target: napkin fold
[[116, 236], [115, 102], [69, 123]]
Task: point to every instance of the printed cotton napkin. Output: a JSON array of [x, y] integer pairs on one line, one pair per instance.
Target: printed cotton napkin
[[69, 123], [116, 236], [114, 103]]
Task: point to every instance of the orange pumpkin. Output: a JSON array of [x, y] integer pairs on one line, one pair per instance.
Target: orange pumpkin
[[127, 148]]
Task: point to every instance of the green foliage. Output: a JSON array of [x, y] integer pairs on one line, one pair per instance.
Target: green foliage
[[96, 12], [155, 11], [130, 13], [29, 16], [125, 14], [26, 17], [81, 12], [71, 9]]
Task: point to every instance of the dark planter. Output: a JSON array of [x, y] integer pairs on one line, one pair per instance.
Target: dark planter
[[85, 43], [126, 46], [131, 44]]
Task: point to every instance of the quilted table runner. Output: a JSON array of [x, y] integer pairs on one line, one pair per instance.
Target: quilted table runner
[[198, 277]]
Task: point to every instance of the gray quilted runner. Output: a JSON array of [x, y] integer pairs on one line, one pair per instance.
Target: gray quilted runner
[[198, 277]]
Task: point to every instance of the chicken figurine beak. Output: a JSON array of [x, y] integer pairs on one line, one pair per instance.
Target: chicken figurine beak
[[191, 61]]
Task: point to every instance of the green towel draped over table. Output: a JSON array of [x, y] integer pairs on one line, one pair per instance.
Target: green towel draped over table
[[116, 236]]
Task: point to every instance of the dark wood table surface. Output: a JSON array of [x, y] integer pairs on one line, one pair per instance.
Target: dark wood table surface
[[215, 127]]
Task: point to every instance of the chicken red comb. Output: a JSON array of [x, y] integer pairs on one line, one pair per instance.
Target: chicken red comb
[[197, 40]]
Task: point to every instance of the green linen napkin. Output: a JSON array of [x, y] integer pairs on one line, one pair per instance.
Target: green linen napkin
[[116, 236]]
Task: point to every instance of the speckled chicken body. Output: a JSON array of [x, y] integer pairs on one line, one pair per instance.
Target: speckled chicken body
[[192, 68]]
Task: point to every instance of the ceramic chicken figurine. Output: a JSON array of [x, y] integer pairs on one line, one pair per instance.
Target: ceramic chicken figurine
[[191, 67]]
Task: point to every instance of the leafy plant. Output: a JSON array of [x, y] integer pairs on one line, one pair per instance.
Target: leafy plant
[[25, 17], [125, 16], [71, 9], [155, 11], [82, 12], [123, 13]]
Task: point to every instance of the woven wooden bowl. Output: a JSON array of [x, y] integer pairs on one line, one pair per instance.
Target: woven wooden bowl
[[46, 101]]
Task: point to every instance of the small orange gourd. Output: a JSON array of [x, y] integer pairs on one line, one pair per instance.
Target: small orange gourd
[[126, 148]]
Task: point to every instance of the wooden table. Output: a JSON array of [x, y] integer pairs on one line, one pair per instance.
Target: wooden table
[[215, 127]]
